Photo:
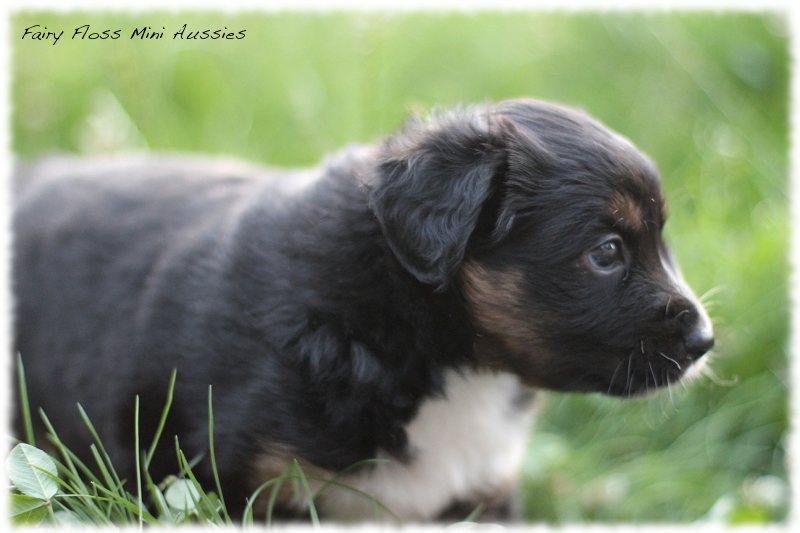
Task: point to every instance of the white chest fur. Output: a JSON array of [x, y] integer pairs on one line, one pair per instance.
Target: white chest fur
[[467, 444]]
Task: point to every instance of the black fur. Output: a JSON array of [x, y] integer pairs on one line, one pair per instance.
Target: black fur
[[323, 318]]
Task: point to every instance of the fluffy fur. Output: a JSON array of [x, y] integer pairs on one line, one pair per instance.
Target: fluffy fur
[[441, 274]]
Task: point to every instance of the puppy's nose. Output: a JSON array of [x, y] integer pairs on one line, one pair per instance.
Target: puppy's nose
[[694, 324], [698, 341]]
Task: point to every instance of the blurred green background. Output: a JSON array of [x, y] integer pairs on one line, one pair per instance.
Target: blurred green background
[[704, 94]]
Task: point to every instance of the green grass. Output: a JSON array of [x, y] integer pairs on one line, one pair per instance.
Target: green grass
[[67, 492], [94, 494], [704, 94]]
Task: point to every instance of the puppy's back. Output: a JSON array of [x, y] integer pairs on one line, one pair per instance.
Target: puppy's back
[[105, 252]]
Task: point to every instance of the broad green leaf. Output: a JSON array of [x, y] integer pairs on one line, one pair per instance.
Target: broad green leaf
[[182, 495], [26, 510], [28, 467]]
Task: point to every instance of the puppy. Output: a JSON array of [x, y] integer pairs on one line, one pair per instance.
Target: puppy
[[393, 310]]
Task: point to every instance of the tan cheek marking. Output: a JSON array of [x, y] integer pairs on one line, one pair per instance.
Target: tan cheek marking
[[495, 305], [625, 211]]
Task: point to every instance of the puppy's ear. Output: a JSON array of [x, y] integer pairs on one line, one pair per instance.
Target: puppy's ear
[[433, 180]]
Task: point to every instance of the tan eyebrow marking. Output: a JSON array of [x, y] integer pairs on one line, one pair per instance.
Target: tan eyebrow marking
[[626, 212]]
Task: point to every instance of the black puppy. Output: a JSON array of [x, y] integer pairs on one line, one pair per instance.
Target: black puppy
[[400, 303]]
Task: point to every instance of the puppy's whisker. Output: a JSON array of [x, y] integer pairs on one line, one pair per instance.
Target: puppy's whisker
[[671, 359], [669, 390], [682, 313], [709, 293], [629, 381], [614, 375], [655, 379], [666, 311], [718, 380]]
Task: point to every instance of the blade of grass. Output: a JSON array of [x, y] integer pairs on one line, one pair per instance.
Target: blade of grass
[[215, 517], [357, 491], [91, 513], [65, 486], [104, 471], [350, 468], [277, 482], [52, 515], [86, 496], [91, 508], [130, 506], [76, 471], [116, 485], [471, 517], [248, 512], [109, 511], [184, 464], [96, 436], [25, 405], [73, 463], [312, 509], [163, 421], [158, 498], [214, 458], [138, 464], [273, 496], [194, 462]]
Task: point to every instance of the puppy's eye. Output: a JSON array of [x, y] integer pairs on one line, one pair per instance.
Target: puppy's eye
[[606, 256]]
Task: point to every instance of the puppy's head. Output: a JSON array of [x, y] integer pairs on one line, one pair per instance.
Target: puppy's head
[[550, 226]]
